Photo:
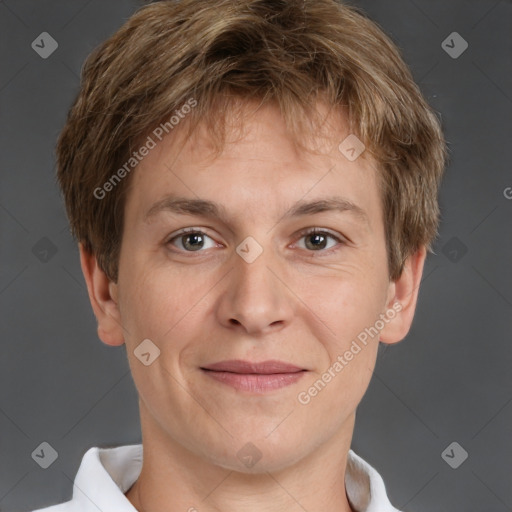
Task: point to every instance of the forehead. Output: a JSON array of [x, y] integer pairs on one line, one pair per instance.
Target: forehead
[[257, 167]]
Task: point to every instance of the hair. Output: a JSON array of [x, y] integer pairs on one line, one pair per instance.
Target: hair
[[291, 53]]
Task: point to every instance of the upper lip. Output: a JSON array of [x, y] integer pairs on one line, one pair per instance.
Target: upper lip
[[263, 367]]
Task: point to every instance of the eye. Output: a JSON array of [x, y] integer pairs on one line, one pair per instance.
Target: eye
[[192, 240], [318, 240]]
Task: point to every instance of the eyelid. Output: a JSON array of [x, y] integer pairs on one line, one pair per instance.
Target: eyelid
[[184, 231], [315, 230]]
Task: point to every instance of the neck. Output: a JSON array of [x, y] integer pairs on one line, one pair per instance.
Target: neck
[[175, 478]]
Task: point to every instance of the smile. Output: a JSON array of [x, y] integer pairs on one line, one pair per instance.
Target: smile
[[254, 377]]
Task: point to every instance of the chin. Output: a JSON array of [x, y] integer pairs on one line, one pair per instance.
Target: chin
[[258, 455]]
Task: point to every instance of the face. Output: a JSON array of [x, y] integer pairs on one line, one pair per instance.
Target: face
[[264, 254]]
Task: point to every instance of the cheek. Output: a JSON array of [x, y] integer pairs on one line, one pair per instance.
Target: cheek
[[165, 305], [344, 306], [152, 303], [345, 310]]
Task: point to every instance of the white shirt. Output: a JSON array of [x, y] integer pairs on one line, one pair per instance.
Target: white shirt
[[105, 474]]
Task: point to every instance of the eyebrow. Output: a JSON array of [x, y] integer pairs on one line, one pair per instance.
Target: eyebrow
[[206, 208]]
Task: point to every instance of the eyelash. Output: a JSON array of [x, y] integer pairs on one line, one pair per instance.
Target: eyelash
[[310, 231]]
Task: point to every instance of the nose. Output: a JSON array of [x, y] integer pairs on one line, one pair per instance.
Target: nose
[[255, 299]]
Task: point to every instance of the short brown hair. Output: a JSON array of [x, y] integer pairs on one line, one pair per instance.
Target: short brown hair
[[289, 52]]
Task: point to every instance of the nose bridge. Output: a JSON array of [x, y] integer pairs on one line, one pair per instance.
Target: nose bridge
[[255, 299], [253, 276]]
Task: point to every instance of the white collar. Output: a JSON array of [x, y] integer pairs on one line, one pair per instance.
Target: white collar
[[105, 474]]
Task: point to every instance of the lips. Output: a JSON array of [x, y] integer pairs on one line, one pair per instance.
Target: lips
[[254, 378], [263, 368]]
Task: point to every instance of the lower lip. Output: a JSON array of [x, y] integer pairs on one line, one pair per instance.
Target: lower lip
[[255, 382]]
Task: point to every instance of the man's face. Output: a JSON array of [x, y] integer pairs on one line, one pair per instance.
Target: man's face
[[285, 294]]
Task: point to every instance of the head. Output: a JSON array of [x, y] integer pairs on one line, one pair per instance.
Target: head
[[236, 119]]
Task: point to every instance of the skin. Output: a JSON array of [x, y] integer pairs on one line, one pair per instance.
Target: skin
[[301, 301]]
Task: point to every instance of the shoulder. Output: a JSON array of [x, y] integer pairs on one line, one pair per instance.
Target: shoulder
[[365, 487], [103, 477]]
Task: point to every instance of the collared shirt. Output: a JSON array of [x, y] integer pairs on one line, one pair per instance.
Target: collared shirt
[[106, 474]]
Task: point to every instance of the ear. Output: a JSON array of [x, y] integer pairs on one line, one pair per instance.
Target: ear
[[103, 296], [402, 298]]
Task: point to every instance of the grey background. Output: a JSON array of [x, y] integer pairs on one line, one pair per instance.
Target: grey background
[[450, 380]]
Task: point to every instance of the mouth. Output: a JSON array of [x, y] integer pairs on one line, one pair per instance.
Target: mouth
[[254, 377]]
